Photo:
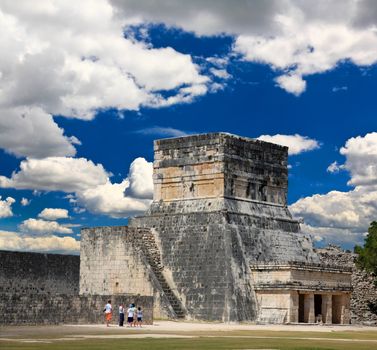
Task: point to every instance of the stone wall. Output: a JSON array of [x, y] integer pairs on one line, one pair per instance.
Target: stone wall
[[35, 273], [44, 289], [119, 260], [303, 277], [112, 262], [34, 309], [364, 289], [220, 164]]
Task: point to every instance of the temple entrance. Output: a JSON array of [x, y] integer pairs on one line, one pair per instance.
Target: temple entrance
[[301, 308], [318, 307]]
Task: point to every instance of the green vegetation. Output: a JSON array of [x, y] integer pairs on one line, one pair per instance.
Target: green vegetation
[[368, 254]]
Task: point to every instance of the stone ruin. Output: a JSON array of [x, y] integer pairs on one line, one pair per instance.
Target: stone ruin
[[218, 242], [364, 291]]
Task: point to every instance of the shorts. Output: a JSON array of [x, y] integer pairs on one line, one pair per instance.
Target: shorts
[[108, 316], [139, 319], [130, 319]]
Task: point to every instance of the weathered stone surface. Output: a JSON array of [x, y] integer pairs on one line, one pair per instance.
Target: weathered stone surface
[[112, 263], [125, 260], [33, 309], [363, 283], [43, 289], [35, 273], [220, 165], [280, 286], [219, 205]]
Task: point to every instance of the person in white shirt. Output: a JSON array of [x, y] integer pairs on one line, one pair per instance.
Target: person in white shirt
[[131, 312], [108, 310]]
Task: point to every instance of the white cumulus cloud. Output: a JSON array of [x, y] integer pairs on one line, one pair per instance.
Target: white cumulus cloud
[[31, 132], [110, 199], [292, 83], [6, 207], [334, 235], [25, 202], [73, 60], [140, 179], [296, 143], [293, 37], [43, 227], [56, 174], [89, 185], [347, 213], [132, 195], [53, 214], [61, 59], [361, 159], [334, 167], [21, 242], [67, 60]]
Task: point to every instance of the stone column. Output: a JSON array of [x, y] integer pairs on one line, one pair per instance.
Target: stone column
[[326, 308], [309, 316], [293, 308], [345, 309]]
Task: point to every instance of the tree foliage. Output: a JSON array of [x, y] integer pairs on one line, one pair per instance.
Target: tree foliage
[[368, 254]]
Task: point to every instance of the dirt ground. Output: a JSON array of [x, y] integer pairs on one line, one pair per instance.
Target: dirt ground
[[171, 327]]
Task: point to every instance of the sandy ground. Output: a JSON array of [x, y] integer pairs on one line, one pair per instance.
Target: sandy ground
[[171, 326], [162, 329]]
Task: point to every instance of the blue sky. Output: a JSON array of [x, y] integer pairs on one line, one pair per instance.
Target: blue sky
[[83, 94]]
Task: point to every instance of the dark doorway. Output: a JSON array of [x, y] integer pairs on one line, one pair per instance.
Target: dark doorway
[[336, 309], [317, 305], [301, 308]]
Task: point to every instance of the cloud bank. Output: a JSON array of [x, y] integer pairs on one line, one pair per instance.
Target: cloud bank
[[90, 184], [293, 37], [15, 241], [67, 60], [345, 216]]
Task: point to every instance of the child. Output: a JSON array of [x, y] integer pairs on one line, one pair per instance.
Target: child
[[139, 316], [108, 310], [121, 315]]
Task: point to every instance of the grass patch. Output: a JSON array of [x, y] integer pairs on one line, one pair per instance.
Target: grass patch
[[97, 338], [210, 343]]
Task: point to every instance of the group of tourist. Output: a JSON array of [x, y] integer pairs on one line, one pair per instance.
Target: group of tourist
[[134, 315]]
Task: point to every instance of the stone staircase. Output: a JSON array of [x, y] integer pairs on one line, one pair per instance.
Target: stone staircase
[[152, 254]]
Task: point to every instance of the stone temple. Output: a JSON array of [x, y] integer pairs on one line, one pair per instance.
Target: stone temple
[[218, 242]]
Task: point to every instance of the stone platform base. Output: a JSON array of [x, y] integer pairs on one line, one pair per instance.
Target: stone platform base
[[35, 309]]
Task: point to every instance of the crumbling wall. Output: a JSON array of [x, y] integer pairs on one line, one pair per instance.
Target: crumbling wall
[[363, 283]]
